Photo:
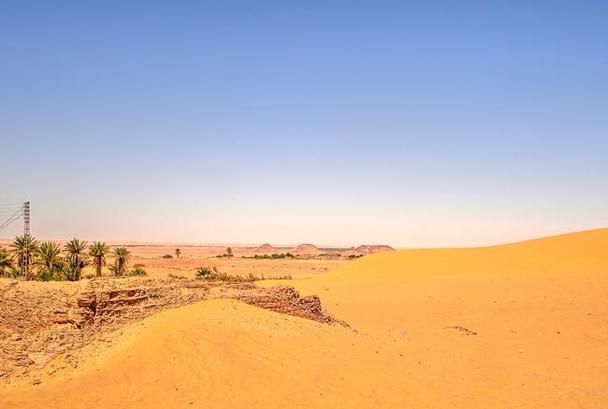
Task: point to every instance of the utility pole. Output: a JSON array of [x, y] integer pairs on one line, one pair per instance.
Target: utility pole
[[26, 218], [26, 235]]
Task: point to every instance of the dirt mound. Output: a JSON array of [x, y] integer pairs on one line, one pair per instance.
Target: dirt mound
[[307, 249], [265, 249], [372, 248], [40, 321]]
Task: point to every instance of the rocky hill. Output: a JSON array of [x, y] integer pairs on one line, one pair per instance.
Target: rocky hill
[[265, 249], [372, 248], [307, 249]]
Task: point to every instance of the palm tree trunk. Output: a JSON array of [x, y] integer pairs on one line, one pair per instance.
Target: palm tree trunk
[[98, 266]]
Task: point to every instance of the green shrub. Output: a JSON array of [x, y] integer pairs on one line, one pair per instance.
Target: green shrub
[[15, 272], [49, 274], [212, 274], [274, 256], [137, 271], [204, 272], [72, 273]]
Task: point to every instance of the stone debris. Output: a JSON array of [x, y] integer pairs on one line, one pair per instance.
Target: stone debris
[[41, 321], [462, 330]]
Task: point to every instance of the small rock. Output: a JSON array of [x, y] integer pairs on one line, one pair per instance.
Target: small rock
[[39, 359]]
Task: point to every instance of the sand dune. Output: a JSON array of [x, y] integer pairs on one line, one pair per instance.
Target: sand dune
[[221, 354], [521, 325]]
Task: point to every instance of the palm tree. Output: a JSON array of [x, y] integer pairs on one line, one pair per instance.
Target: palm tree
[[6, 263], [229, 252], [76, 257], [97, 251], [178, 253], [49, 261], [121, 261], [23, 249]]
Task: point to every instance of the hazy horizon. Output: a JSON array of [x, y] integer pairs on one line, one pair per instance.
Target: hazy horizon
[[321, 245], [419, 125]]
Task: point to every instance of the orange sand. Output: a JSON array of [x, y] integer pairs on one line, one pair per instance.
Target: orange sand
[[539, 310]]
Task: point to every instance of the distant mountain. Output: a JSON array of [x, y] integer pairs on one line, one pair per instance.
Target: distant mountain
[[265, 249], [307, 249], [372, 248]]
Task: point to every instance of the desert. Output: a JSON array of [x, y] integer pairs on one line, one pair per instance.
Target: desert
[[311, 204], [517, 325]]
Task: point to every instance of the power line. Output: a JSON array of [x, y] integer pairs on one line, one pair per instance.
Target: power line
[[10, 221], [10, 209], [16, 215], [18, 210]]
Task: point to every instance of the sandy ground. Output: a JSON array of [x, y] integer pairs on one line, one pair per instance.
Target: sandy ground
[[156, 266], [516, 326], [194, 256]]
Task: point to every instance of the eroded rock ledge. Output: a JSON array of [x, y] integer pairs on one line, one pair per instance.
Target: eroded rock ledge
[[40, 321]]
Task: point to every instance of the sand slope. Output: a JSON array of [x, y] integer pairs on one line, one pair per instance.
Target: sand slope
[[538, 311], [222, 354], [539, 308]]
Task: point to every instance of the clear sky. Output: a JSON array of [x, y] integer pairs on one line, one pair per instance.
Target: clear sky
[[334, 122]]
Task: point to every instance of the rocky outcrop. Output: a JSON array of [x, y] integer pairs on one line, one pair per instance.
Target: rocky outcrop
[[372, 248], [107, 302], [287, 300], [265, 249], [307, 249], [40, 321]]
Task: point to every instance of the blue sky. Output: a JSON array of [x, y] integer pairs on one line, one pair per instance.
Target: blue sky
[[334, 122]]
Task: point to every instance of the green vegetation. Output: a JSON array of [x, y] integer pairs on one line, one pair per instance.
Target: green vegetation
[[98, 251], [275, 256], [49, 261], [227, 254], [213, 274], [205, 272], [23, 249], [121, 261], [137, 271], [7, 267], [178, 253], [76, 257]]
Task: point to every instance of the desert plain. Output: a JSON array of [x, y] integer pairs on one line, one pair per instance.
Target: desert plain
[[522, 325]]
